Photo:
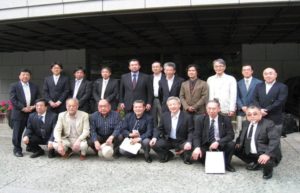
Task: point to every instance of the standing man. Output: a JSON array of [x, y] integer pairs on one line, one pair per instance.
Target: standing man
[[156, 105], [39, 129], [135, 86], [169, 86], [259, 142], [71, 131], [245, 89], [81, 89], [106, 88], [174, 132], [22, 96], [194, 92], [213, 132], [270, 96], [223, 88], [56, 88]]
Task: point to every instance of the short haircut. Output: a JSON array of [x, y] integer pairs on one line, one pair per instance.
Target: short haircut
[[247, 64], [140, 102], [41, 100], [56, 63], [216, 101], [106, 68], [157, 62], [192, 65], [173, 98], [103, 100], [79, 68], [254, 107], [133, 60], [72, 99], [170, 64], [25, 70], [220, 61]]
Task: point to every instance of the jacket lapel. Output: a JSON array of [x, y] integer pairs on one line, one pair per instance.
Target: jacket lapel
[[180, 119]]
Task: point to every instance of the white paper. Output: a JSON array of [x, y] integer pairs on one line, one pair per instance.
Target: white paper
[[131, 148], [214, 162]]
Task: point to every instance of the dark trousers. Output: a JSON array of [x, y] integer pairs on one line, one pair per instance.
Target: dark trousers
[[18, 129], [162, 148], [145, 147], [35, 141], [102, 139], [156, 111]]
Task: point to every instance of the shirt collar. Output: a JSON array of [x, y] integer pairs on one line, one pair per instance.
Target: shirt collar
[[250, 78], [271, 84], [171, 78], [44, 114], [216, 118], [24, 84], [157, 76], [175, 115], [136, 73], [56, 76]]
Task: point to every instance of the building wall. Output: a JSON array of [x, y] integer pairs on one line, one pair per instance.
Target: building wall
[[285, 58], [38, 62]]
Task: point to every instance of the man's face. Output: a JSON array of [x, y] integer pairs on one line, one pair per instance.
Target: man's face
[[156, 68], [212, 109], [72, 107], [40, 107], [247, 71], [174, 106], [139, 109], [56, 70], [24, 77], [105, 73], [169, 71], [103, 107], [134, 66], [219, 68], [253, 115], [79, 74], [192, 72], [269, 75]]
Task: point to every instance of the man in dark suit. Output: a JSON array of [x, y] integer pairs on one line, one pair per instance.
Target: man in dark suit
[[271, 96], [22, 95], [213, 132], [245, 89], [39, 129], [135, 86], [259, 142], [169, 86], [81, 89], [56, 88], [174, 132], [106, 88]]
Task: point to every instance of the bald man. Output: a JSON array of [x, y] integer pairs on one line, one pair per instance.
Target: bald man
[[270, 96]]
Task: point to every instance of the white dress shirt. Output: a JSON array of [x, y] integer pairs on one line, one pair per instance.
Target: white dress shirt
[[156, 79], [253, 149], [248, 82], [43, 116], [104, 85], [216, 127], [174, 121], [55, 78], [26, 89], [77, 85], [170, 82], [269, 86]]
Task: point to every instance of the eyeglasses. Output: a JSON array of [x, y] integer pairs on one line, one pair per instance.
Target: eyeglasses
[[251, 114]]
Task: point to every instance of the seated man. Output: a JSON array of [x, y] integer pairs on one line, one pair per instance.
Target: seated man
[[104, 127], [175, 131], [259, 142], [213, 132], [71, 131], [138, 126], [39, 130]]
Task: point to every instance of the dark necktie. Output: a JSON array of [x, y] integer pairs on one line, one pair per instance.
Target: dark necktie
[[211, 134], [248, 140], [134, 81], [43, 132]]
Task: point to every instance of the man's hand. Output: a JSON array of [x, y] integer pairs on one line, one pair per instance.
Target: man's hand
[[263, 159], [152, 142], [134, 133], [26, 140], [97, 145], [52, 104], [197, 153], [76, 146], [187, 146], [58, 103], [61, 149], [190, 109], [110, 140], [50, 145], [122, 106], [148, 107], [237, 146], [214, 146], [231, 113], [264, 112], [135, 140], [244, 109], [26, 109]]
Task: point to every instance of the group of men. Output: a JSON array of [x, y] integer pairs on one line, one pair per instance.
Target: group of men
[[163, 112]]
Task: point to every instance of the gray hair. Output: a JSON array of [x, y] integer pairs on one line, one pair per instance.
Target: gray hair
[[174, 98], [170, 64], [220, 61]]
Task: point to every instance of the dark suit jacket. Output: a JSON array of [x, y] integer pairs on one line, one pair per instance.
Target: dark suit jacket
[[58, 92], [83, 95], [274, 101], [142, 90], [18, 100], [267, 138], [35, 125], [110, 94], [201, 133], [184, 130], [244, 97], [164, 90]]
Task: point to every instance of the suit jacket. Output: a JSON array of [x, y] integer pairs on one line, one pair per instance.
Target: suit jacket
[[62, 128], [110, 94], [18, 100], [244, 97], [58, 92], [274, 101], [267, 138], [142, 91], [152, 89], [83, 95], [35, 126], [201, 133], [184, 130], [164, 90], [197, 98]]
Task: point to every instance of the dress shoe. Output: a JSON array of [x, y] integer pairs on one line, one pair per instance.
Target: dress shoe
[[253, 166], [68, 154], [167, 157], [51, 153], [18, 154], [188, 162], [229, 168], [37, 153], [29, 149], [148, 159], [82, 157], [267, 175]]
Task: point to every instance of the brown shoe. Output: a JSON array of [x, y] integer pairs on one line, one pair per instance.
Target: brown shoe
[[67, 154], [82, 157]]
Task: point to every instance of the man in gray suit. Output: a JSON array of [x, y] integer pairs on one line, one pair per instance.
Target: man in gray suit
[[259, 142]]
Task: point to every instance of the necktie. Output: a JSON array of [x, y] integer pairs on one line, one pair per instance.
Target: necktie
[[211, 134], [103, 88], [134, 81], [41, 118], [247, 84], [248, 140]]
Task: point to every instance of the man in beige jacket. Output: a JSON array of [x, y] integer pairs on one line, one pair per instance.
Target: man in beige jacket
[[71, 131]]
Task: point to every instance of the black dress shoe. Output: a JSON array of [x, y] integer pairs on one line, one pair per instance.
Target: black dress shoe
[[29, 149], [51, 153], [18, 154], [188, 162], [167, 157], [37, 154], [229, 168], [268, 175], [253, 166], [148, 159]]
